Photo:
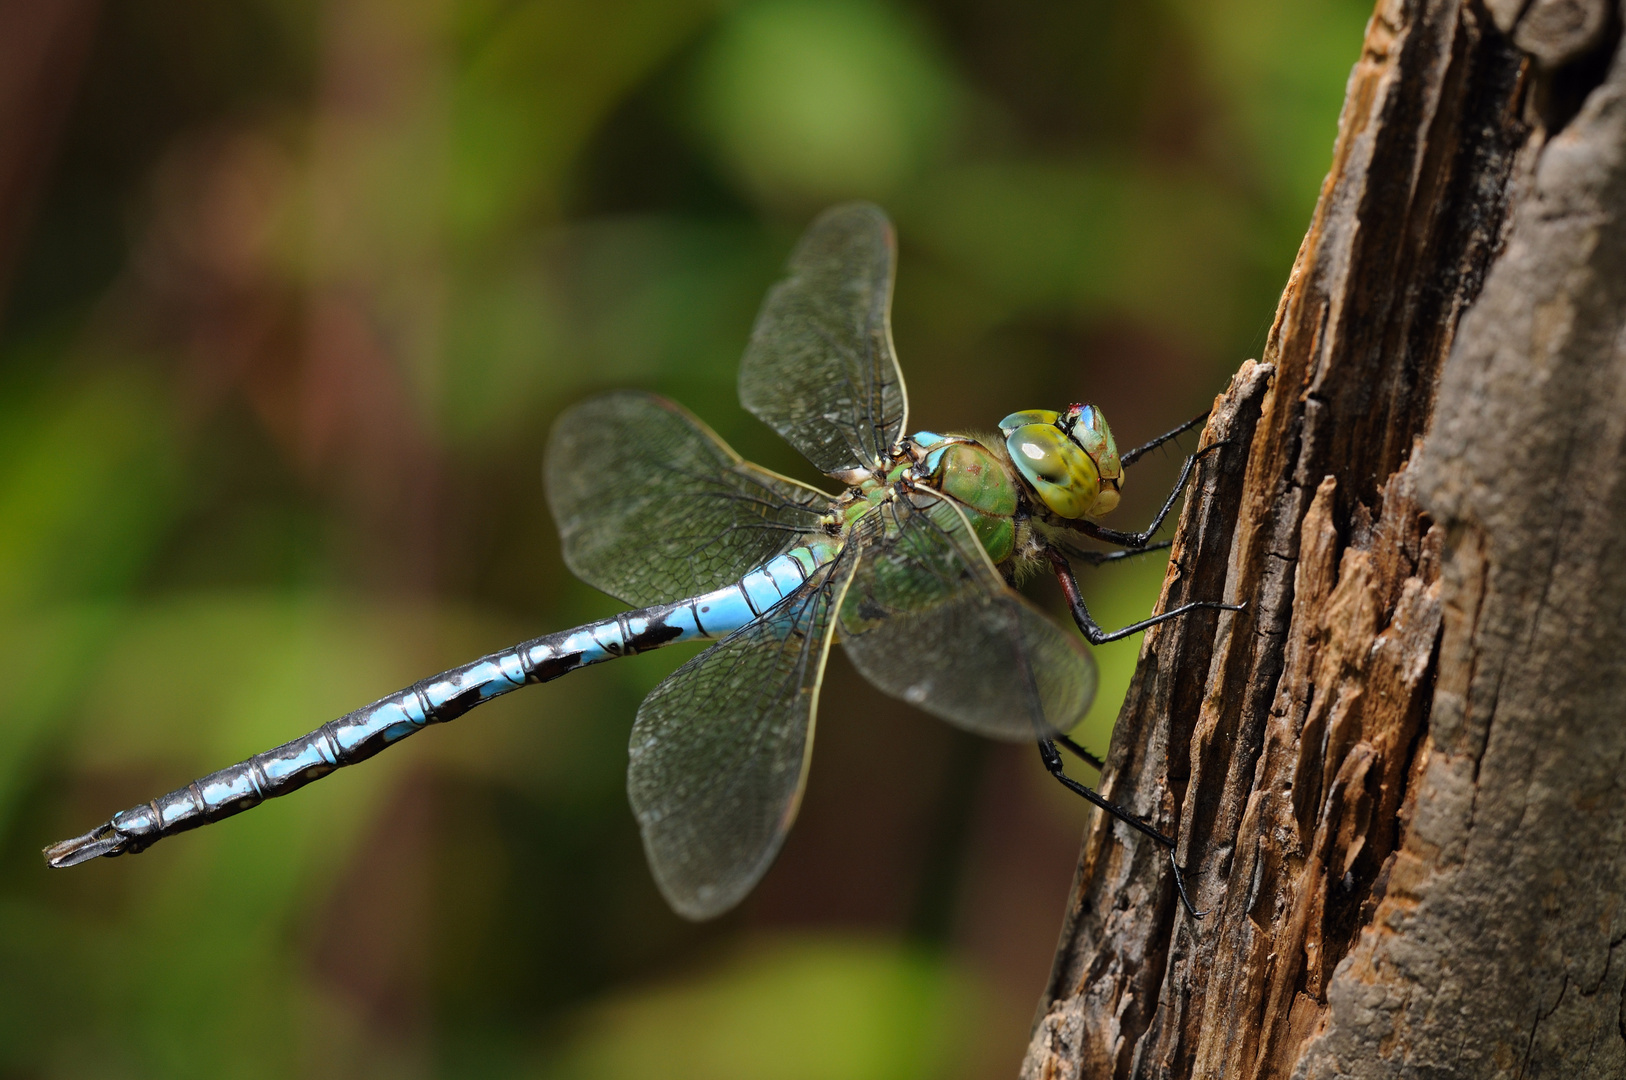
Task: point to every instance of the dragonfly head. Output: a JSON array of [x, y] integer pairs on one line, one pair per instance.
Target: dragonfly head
[[1069, 459]]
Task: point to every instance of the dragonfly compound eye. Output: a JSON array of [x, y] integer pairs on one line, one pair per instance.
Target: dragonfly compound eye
[[1060, 473], [1026, 417], [1086, 426]]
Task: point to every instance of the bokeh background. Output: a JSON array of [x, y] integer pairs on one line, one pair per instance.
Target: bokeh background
[[292, 290]]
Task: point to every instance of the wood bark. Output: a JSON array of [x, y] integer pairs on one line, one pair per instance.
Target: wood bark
[[1399, 776]]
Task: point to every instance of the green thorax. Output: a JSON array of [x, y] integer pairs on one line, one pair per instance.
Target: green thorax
[[979, 480]]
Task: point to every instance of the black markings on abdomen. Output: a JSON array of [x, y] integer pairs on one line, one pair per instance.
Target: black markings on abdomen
[[456, 706], [555, 666], [653, 637]]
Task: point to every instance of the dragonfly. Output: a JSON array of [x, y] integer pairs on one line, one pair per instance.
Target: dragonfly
[[911, 567]]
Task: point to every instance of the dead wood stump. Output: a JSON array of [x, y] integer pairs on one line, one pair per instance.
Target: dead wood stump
[[1399, 777]]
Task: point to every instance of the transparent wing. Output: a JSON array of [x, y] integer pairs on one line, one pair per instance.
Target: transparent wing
[[652, 506], [928, 619], [719, 751], [820, 368]]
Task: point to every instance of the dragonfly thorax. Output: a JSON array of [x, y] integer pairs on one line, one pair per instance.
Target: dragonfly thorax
[[976, 477]]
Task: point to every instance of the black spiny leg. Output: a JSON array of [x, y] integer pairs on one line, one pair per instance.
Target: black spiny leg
[[1139, 539], [1129, 457], [1047, 747], [1079, 752], [1053, 765], [1099, 558], [1086, 623]]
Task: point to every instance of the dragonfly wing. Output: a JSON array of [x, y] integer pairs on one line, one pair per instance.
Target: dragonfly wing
[[720, 749], [929, 620], [652, 506], [820, 368]]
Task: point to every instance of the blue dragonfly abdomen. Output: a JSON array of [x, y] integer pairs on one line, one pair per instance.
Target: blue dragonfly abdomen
[[439, 699]]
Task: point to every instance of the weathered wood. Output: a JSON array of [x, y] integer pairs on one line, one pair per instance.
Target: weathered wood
[[1393, 890], [1496, 950]]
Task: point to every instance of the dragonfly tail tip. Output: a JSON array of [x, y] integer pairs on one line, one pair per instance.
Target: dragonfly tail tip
[[102, 840]]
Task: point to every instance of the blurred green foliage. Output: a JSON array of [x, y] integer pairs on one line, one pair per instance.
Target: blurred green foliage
[[304, 288]]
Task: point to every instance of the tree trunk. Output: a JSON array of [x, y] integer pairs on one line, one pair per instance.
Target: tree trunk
[[1399, 776]]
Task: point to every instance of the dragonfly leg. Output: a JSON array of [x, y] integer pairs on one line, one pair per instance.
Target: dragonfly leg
[[1129, 457], [1079, 752], [1054, 766], [1086, 622], [1098, 558], [1139, 539]]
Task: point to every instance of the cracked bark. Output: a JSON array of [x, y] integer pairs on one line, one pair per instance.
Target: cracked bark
[[1399, 777]]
